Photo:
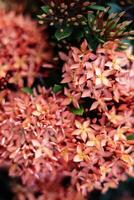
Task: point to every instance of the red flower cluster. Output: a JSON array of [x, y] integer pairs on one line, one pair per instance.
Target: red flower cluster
[[22, 49], [41, 141], [104, 81], [105, 77], [33, 134]]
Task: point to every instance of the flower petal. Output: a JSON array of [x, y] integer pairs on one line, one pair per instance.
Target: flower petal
[[77, 158], [78, 124]]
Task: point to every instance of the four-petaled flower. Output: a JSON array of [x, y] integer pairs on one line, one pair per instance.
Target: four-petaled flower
[[71, 98], [96, 141], [41, 149], [101, 77], [81, 155], [120, 133], [83, 129], [113, 117]]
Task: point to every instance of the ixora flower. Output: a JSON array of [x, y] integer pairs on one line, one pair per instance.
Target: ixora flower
[[22, 48], [105, 157], [33, 136], [41, 140], [95, 75], [103, 82]]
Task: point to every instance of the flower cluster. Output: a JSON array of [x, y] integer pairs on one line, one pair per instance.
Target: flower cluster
[[22, 49], [32, 137], [40, 138], [103, 153], [56, 152], [103, 82], [105, 78]]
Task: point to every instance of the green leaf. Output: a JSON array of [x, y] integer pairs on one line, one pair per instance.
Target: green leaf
[[63, 33], [77, 111], [129, 42], [97, 7], [57, 88], [112, 25], [27, 90], [45, 9], [130, 137], [99, 39], [91, 39], [114, 8]]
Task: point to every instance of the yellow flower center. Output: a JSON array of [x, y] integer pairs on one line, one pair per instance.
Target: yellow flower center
[[101, 77]]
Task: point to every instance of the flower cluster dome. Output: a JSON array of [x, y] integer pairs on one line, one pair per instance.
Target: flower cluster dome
[[41, 140], [23, 48], [106, 76]]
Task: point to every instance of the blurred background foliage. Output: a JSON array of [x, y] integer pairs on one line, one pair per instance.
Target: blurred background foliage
[[125, 190], [94, 20]]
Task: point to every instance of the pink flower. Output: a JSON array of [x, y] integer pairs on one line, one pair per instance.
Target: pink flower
[[81, 155], [71, 98], [32, 130], [119, 133], [83, 54], [101, 77], [41, 149], [42, 141], [83, 129], [113, 117], [94, 142], [84, 75]]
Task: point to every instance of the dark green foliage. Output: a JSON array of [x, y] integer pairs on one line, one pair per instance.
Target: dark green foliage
[[56, 88], [72, 21], [27, 90], [63, 32], [77, 111], [130, 137]]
